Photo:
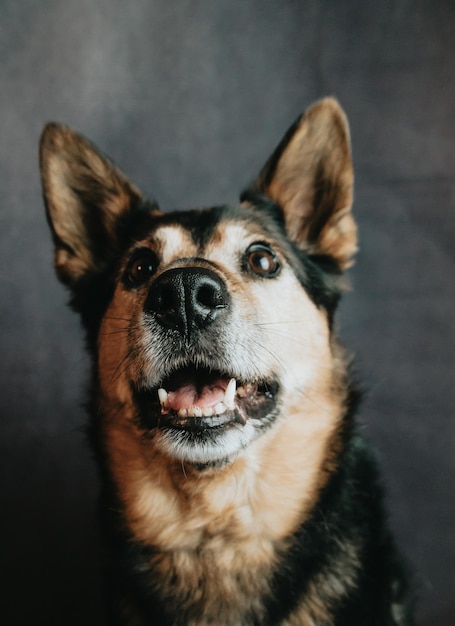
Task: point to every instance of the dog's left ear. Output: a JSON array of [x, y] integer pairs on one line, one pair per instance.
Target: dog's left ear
[[310, 177], [86, 198]]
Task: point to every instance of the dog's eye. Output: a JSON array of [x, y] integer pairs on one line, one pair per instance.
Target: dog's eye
[[140, 268], [261, 260]]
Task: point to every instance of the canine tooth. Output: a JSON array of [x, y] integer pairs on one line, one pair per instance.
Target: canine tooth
[[220, 408], [183, 413], [163, 395], [229, 394]]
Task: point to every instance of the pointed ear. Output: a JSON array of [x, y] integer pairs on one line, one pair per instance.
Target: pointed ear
[[86, 197], [310, 176]]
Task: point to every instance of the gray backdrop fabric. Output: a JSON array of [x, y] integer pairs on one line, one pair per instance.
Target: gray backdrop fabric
[[190, 97]]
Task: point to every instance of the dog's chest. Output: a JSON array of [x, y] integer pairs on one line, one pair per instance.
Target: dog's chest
[[220, 585], [218, 543], [209, 559], [213, 582]]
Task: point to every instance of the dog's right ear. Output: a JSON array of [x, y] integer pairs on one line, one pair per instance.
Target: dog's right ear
[[86, 197], [310, 177]]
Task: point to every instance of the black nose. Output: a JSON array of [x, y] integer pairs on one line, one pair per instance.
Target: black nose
[[187, 299]]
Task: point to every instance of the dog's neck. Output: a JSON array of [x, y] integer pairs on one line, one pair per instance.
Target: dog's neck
[[255, 499]]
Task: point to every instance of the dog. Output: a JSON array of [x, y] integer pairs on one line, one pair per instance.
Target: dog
[[237, 489]]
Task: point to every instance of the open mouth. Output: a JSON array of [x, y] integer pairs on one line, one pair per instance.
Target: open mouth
[[197, 399]]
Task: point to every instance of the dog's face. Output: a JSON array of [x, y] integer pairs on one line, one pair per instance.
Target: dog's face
[[209, 333], [208, 326]]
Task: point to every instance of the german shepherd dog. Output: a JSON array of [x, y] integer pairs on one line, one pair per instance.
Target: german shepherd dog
[[236, 487]]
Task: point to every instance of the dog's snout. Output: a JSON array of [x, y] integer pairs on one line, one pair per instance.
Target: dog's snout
[[187, 299]]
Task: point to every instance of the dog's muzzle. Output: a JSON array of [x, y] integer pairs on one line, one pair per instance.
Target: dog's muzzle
[[200, 389]]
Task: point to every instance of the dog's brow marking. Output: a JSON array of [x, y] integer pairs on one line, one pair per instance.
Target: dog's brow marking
[[227, 241], [175, 242]]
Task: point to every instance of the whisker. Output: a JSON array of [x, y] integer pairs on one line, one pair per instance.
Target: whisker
[[120, 329], [116, 374], [278, 359], [280, 322], [298, 341], [123, 319]]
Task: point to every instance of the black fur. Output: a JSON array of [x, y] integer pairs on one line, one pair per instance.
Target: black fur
[[338, 566]]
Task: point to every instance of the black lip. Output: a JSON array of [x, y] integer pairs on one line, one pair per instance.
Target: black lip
[[201, 424]]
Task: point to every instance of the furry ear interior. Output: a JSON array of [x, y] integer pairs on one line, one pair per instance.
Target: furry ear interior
[[85, 195], [310, 176]]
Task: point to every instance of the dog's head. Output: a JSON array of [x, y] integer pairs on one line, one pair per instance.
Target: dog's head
[[208, 326]]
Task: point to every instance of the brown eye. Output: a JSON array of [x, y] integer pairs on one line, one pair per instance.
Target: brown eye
[[261, 260], [140, 268]]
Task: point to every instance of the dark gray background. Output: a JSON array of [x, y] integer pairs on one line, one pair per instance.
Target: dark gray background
[[190, 97]]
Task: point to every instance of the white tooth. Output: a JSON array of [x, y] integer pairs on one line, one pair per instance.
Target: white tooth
[[196, 411], [183, 413], [162, 395], [220, 408], [207, 411], [229, 394]]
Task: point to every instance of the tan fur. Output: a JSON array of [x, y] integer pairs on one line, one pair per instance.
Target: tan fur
[[224, 528], [315, 609], [220, 528], [237, 517]]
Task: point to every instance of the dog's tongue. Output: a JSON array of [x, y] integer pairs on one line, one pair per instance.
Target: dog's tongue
[[189, 395]]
